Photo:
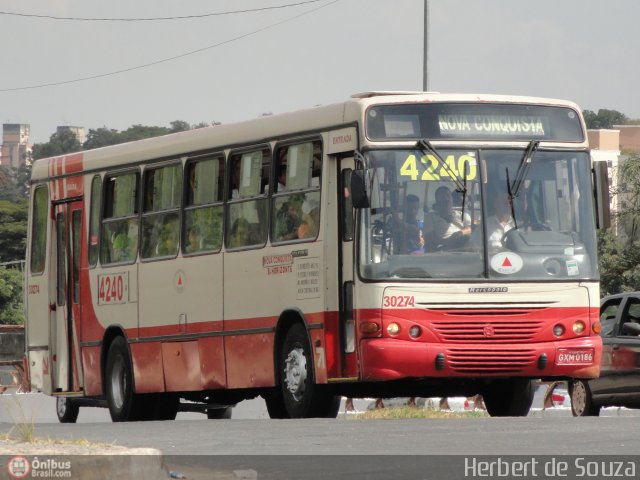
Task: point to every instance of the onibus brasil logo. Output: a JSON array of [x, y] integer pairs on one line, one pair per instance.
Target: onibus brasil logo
[[21, 467]]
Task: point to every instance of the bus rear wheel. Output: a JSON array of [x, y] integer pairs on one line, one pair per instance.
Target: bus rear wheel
[[509, 398], [298, 396], [67, 410], [581, 400], [124, 404]]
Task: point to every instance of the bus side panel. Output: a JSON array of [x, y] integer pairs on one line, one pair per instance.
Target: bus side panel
[[92, 373], [211, 351], [180, 297], [182, 366], [250, 355], [147, 367]]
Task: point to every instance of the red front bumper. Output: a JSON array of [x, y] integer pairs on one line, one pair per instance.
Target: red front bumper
[[391, 359]]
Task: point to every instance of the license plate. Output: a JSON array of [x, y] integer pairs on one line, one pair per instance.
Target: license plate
[[574, 357]]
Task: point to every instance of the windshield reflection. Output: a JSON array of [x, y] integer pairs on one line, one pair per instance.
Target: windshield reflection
[[460, 222]]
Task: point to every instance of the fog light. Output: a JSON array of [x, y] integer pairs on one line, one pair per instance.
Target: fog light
[[393, 329], [558, 330], [596, 327], [369, 327], [579, 327], [415, 331]]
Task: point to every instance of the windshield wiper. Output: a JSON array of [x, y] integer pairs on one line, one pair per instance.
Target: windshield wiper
[[524, 166], [513, 189], [426, 147]]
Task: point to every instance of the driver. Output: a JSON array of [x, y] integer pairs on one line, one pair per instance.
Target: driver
[[445, 227], [500, 222]]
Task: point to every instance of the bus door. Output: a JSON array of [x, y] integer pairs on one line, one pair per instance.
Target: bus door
[[347, 289], [65, 355]]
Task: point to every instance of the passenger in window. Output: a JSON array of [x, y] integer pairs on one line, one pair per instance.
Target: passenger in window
[[235, 180], [288, 219], [240, 233], [310, 219], [444, 227], [408, 234], [194, 240], [123, 245], [168, 242], [282, 177]]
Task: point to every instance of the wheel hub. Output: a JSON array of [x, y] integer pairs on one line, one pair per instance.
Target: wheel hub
[[118, 380], [579, 397], [61, 403], [295, 373]]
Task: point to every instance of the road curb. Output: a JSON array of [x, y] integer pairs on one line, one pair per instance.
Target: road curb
[[138, 463]]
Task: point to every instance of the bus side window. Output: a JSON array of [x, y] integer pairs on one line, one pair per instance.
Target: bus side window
[[119, 242], [161, 211], [203, 212], [296, 201], [94, 220], [247, 210], [39, 229]]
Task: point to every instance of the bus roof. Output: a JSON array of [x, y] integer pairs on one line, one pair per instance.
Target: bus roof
[[267, 128]]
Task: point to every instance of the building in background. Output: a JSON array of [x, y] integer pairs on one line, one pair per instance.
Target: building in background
[[16, 150], [79, 132], [629, 138]]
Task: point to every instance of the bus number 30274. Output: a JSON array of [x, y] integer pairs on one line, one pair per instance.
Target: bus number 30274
[[112, 288], [399, 301]]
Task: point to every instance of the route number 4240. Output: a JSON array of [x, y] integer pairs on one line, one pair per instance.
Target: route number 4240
[[112, 288], [433, 170]]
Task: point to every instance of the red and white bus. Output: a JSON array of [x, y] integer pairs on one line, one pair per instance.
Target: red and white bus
[[348, 249]]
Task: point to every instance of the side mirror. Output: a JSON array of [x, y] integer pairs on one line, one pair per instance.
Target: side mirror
[[601, 193], [360, 181]]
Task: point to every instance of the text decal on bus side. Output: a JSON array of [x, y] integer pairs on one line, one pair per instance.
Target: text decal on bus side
[[113, 288]]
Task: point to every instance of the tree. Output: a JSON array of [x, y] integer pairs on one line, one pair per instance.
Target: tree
[[619, 257], [11, 312], [13, 230], [604, 118], [61, 142], [101, 137], [179, 126]]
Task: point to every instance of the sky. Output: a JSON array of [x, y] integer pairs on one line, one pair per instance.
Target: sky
[[242, 65]]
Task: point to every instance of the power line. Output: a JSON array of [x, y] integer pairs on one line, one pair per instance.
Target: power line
[[152, 19], [169, 59]]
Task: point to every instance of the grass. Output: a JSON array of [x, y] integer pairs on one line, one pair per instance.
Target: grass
[[395, 413], [23, 425]]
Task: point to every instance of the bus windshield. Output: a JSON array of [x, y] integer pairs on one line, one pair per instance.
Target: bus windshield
[[501, 214]]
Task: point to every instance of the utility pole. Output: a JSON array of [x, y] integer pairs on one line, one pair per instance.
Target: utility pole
[[425, 61]]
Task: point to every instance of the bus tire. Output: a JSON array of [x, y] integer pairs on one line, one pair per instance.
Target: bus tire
[[67, 410], [166, 407], [581, 400], [300, 396], [219, 413], [124, 404], [509, 398]]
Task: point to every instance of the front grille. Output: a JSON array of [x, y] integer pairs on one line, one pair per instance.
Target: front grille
[[480, 361], [486, 331]]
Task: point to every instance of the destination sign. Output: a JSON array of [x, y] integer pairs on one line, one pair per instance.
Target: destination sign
[[473, 121], [492, 125]]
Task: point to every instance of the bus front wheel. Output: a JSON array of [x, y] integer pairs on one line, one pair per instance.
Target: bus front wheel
[[509, 398], [298, 396], [124, 404]]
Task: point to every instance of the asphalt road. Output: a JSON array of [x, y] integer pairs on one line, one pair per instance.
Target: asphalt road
[[253, 446]]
